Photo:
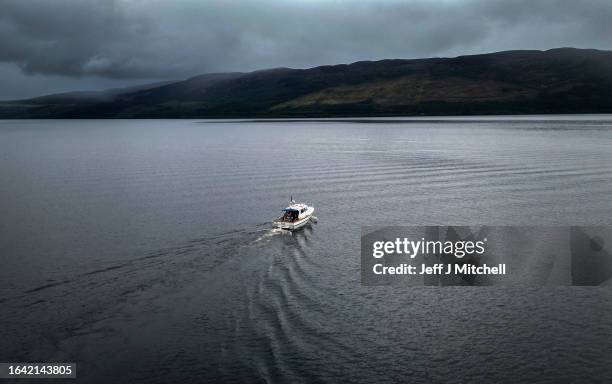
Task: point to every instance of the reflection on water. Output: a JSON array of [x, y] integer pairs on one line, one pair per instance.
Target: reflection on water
[[143, 250]]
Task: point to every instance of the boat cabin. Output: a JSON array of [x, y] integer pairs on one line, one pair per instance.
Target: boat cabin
[[295, 216], [293, 212]]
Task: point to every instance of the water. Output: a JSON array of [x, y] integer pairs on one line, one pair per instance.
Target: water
[[142, 249]]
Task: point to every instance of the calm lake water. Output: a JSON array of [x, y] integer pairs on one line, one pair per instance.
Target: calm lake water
[[142, 249]]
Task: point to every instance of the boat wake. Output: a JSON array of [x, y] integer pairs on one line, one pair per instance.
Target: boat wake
[[268, 235]]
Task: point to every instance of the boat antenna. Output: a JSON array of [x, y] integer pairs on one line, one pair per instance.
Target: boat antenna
[[292, 198]]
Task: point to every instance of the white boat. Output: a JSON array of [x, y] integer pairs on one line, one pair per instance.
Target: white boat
[[295, 216]]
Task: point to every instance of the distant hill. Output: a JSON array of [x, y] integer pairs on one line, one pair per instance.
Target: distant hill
[[563, 80], [83, 97]]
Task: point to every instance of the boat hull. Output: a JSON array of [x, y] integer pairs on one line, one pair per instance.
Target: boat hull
[[292, 225]]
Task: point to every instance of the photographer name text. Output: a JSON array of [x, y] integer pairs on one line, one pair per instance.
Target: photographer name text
[[440, 269]]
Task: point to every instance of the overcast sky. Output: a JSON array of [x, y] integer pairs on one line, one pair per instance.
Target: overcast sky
[[59, 45]]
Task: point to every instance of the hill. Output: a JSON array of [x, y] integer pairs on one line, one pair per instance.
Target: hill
[[563, 80]]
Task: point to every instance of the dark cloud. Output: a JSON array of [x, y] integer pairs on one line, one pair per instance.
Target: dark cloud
[[126, 40]]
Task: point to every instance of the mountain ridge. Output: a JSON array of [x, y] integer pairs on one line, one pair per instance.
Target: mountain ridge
[[560, 80]]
